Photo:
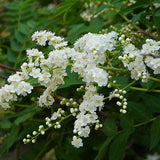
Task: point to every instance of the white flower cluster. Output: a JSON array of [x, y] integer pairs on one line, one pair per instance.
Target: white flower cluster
[[86, 55], [154, 156], [18, 86], [136, 60], [43, 36], [87, 115], [90, 51], [153, 61], [48, 71]]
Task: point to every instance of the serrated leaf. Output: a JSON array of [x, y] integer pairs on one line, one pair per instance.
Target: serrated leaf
[[21, 38], [139, 111], [103, 149], [71, 79], [5, 124], [78, 29], [119, 144], [137, 17], [126, 121], [16, 46], [12, 56], [64, 7], [12, 138], [24, 117], [147, 85], [145, 21], [101, 8], [31, 23], [110, 127], [122, 81], [155, 133], [24, 29], [152, 102]]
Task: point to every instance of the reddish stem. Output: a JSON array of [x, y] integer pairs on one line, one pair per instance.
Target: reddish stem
[[9, 68]]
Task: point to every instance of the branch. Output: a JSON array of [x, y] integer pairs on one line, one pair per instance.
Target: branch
[[4, 77], [8, 68]]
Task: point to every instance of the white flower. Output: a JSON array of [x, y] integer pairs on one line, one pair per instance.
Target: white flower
[[77, 142], [21, 88], [84, 132], [44, 77], [155, 156], [15, 78], [35, 73], [54, 116], [40, 37], [92, 117], [129, 48]]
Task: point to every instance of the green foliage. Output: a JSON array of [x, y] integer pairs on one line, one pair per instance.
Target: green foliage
[[119, 144], [155, 131], [118, 138]]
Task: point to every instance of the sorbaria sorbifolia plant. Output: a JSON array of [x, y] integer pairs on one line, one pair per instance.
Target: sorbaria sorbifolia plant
[[90, 57]]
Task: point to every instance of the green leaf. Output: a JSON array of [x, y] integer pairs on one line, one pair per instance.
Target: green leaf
[[16, 46], [31, 23], [78, 29], [157, 15], [122, 81], [21, 38], [137, 17], [12, 56], [12, 138], [74, 32], [24, 29], [64, 7], [139, 111], [95, 25], [24, 117], [110, 127], [147, 85], [155, 133], [5, 124], [119, 144], [152, 102], [101, 8], [126, 121], [71, 79], [103, 148]]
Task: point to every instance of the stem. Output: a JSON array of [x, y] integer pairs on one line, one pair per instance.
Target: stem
[[108, 59], [106, 98], [8, 68], [4, 77], [154, 17], [5, 46], [19, 55], [144, 90], [51, 126], [130, 84], [145, 122], [113, 69], [24, 106], [154, 79]]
